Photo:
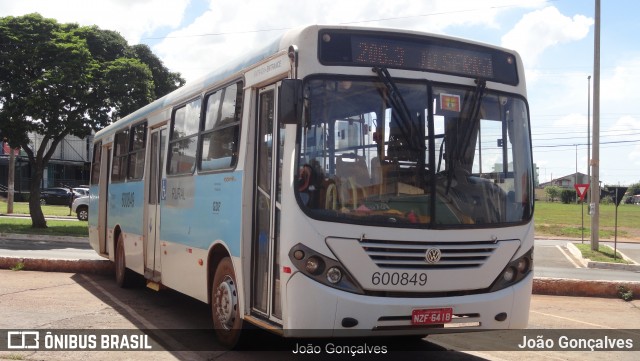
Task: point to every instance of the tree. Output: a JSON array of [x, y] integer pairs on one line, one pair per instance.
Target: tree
[[131, 80], [568, 196], [62, 79], [552, 192], [164, 81]]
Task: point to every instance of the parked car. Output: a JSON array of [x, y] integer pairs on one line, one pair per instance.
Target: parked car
[[59, 196], [81, 191], [81, 207]]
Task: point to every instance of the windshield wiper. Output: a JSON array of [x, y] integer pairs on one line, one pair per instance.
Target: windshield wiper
[[400, 107], [472, 115]]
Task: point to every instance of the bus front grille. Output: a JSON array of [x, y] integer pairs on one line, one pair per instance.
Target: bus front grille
[[413, 255]]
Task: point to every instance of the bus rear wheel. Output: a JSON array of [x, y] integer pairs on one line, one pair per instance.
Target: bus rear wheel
[[225, 307], [124, 276]]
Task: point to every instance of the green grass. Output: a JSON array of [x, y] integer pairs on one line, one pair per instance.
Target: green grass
[[23, 208], [54, 227], [603, 254], [565, 220]]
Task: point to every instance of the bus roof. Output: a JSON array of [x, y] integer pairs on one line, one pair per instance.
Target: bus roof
[[234, 68]]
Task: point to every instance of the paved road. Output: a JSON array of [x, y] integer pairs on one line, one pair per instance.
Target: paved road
[[553, 259], [56, 300], [20, 248]]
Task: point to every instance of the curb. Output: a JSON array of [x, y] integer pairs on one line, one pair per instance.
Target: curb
[[603, 265], [581, 288], [103, 267], [45, 237], [541, 286]]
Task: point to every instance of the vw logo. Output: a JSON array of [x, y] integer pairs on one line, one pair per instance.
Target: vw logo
[[432, 255]]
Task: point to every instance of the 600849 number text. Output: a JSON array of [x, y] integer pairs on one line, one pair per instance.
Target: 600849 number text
[[398, 278]]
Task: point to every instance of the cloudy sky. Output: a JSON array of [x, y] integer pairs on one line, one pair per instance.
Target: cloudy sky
[[554, 37]]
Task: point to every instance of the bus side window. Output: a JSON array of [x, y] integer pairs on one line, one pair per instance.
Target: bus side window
[[95, 166], [183, 141], [221, 128], [137, 143], [120, 152]]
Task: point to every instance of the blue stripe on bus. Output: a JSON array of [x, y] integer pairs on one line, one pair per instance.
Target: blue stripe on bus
[[213, 213], [126, 202]]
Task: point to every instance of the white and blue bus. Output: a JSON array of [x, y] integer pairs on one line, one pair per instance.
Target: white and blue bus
[[347, 181]]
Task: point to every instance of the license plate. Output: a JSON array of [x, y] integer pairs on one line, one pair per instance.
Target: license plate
[[431, 316]]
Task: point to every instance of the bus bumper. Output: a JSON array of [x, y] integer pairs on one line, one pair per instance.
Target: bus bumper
[[315, 310]]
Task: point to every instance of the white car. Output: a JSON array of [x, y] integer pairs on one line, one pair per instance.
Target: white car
[[81, 207], [81, 191]]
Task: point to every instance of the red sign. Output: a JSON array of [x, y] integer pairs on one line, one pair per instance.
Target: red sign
[[7, 150], [450, 102], [431, 316], [581, 189]]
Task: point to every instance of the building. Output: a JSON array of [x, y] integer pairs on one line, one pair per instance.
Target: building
[[69, 165], [567, 181]]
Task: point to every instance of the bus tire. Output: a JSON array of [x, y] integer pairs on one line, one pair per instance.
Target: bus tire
[[124, 276], [225, 308]]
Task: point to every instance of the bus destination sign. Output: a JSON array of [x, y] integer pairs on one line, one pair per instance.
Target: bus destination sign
[[418, 53]]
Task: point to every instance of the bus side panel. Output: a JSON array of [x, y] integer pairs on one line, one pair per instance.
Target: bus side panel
[[94, 236], [196, 213], [126, 208]]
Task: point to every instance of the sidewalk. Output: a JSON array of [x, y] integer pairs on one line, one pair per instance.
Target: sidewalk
[[21, 215]]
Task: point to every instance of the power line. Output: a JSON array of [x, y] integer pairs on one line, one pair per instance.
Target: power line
[[215, 34], [434, 14], [583, 144], [342, 23], [575, 135]]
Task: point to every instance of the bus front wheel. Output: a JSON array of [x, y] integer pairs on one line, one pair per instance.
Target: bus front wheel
[[225, 308]]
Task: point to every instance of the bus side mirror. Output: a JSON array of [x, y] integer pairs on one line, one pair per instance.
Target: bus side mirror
[[290, 101]]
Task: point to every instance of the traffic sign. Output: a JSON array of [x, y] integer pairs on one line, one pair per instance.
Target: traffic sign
[[617, 193], [581, 189]]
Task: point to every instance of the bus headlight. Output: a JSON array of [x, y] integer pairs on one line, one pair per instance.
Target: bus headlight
[[514, 272], [323, 269], [334, 275], [313, 265], [523, 265], [509, 274]]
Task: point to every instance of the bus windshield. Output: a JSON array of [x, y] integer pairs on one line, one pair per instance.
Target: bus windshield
[[399, 152]]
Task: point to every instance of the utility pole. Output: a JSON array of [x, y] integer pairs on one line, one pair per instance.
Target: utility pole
[[575, 177], [589, 139], [595, 162], [10, 181]]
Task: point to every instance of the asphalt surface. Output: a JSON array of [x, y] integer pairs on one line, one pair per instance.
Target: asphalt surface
[[67, 302]]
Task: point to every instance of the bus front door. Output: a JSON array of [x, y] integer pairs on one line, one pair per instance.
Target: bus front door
[[103, 199], [152, 266], [265, 280]]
